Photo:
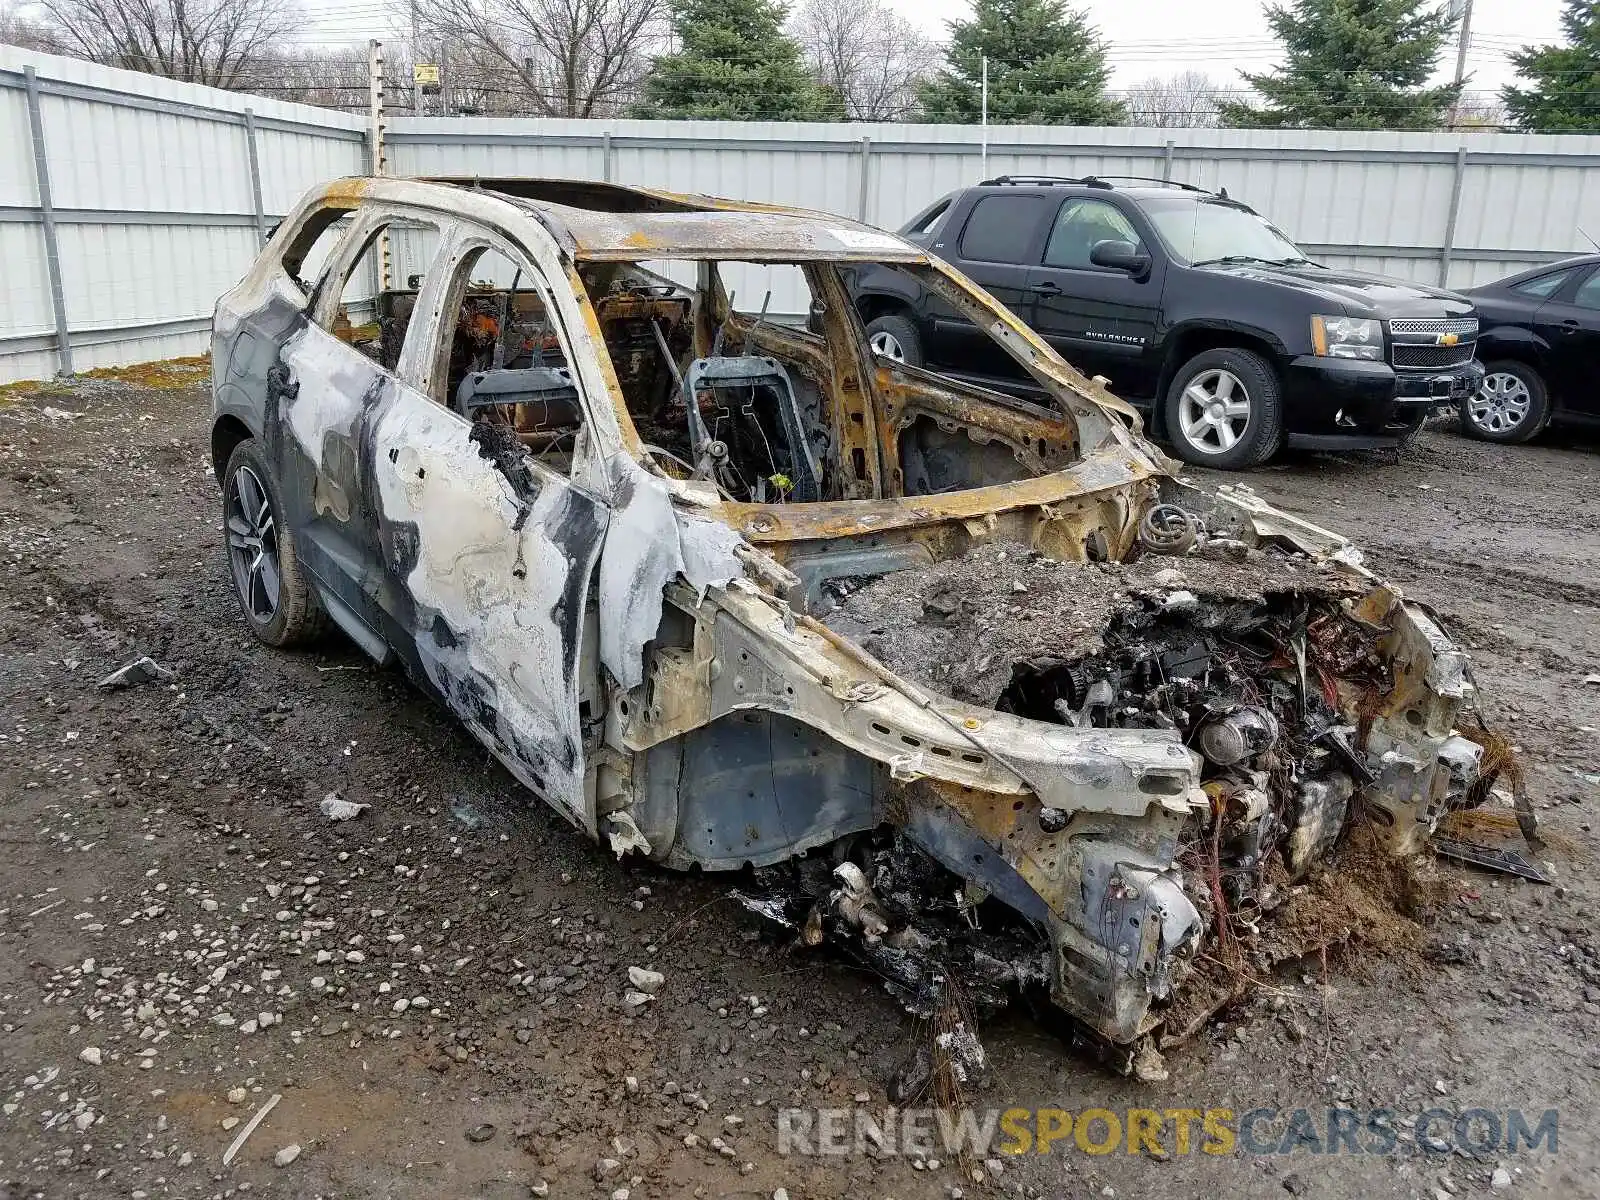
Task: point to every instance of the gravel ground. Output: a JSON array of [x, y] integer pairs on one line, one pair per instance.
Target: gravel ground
[[435, 987]]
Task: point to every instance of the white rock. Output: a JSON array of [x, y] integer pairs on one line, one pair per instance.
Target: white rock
[[401, 1005], [649, 982], [634, 1002], [83, 1120], [248, 1026], [1500, 1180], [287, 1155], [324, 956], [229, 1122], [185, 1159], [91, 1055], [354, 956], [209, 905], [336, 808], [237, 1095], [419, 1002]]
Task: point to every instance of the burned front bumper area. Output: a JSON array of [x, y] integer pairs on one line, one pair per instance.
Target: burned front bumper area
[[1000, 771]]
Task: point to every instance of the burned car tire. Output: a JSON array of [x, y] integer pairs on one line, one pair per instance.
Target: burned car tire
[[276, 600], [1510, 406], [1224, 409], [896, 338]]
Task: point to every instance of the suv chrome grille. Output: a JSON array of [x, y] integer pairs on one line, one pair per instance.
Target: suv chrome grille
[[1465, 326], [1432, 343]]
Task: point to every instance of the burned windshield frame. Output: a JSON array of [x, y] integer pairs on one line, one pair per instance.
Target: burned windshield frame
[[1088, 420]]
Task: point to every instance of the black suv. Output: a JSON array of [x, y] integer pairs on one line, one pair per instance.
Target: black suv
[[1192, 306]]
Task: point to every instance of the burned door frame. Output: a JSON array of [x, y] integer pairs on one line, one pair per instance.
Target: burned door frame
[[493, 553], [321, 394]]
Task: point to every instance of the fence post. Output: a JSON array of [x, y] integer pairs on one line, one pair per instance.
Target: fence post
[[1449, 246], [605, 157], [255, 174], [1166, 160], [866, 180], [47, 212]]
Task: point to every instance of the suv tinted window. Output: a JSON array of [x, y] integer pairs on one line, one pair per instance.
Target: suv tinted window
[[1079, 226], [1001, 228], [1544, 286]]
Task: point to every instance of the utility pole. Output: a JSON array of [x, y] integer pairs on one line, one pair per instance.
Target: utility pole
[[376, 131], [416, 57], [983, 124], [1463, 42], [444, 78]]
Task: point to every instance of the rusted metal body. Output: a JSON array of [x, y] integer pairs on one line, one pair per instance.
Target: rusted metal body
[[642, 648]]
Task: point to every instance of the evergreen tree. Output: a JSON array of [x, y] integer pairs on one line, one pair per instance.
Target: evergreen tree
[[1047, 66], [733, 62], [1352, 64], [1565, 95]]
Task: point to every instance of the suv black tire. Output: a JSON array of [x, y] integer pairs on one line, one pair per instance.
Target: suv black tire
[[296, 615], [1262, 432], [902, 332], [1492, 408]]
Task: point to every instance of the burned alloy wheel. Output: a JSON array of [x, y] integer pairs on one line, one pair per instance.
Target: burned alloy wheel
[[253, 546]]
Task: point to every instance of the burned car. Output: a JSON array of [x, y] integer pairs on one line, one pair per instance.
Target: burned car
[[970, 683]]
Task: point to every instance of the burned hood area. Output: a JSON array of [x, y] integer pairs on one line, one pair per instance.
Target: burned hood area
[[1288, 680]]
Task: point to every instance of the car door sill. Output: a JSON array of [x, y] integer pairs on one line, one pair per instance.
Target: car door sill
[[358, 631]]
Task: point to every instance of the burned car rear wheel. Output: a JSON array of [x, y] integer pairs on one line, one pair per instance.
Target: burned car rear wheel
[[273, 594]]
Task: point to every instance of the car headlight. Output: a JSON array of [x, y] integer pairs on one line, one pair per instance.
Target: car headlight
[[1347, 337]]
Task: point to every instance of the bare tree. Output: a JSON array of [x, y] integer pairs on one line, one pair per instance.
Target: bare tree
[[335, 78], [1480, 112], [1184, 101], [216, 42], [558, 58], [867, 54], [18, 28]]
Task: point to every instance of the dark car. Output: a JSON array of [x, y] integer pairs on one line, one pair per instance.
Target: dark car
[[1193, 307], [1540, 345]]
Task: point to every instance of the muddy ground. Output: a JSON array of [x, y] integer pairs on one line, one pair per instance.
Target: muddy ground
[[168, 881]]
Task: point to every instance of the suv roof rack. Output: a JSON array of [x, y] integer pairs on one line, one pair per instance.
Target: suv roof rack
[[1171, 183], [1047, 180], [1097, 181]]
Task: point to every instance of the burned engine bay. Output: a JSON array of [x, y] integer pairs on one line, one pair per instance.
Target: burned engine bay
[[1320, 712]]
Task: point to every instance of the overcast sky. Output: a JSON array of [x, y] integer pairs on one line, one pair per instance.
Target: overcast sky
[[1223, 37], [1147, 37]]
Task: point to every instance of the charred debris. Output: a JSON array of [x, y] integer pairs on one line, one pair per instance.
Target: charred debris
[[1265, 660]]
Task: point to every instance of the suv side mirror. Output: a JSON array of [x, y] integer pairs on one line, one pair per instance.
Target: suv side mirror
[[1120, 256]]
